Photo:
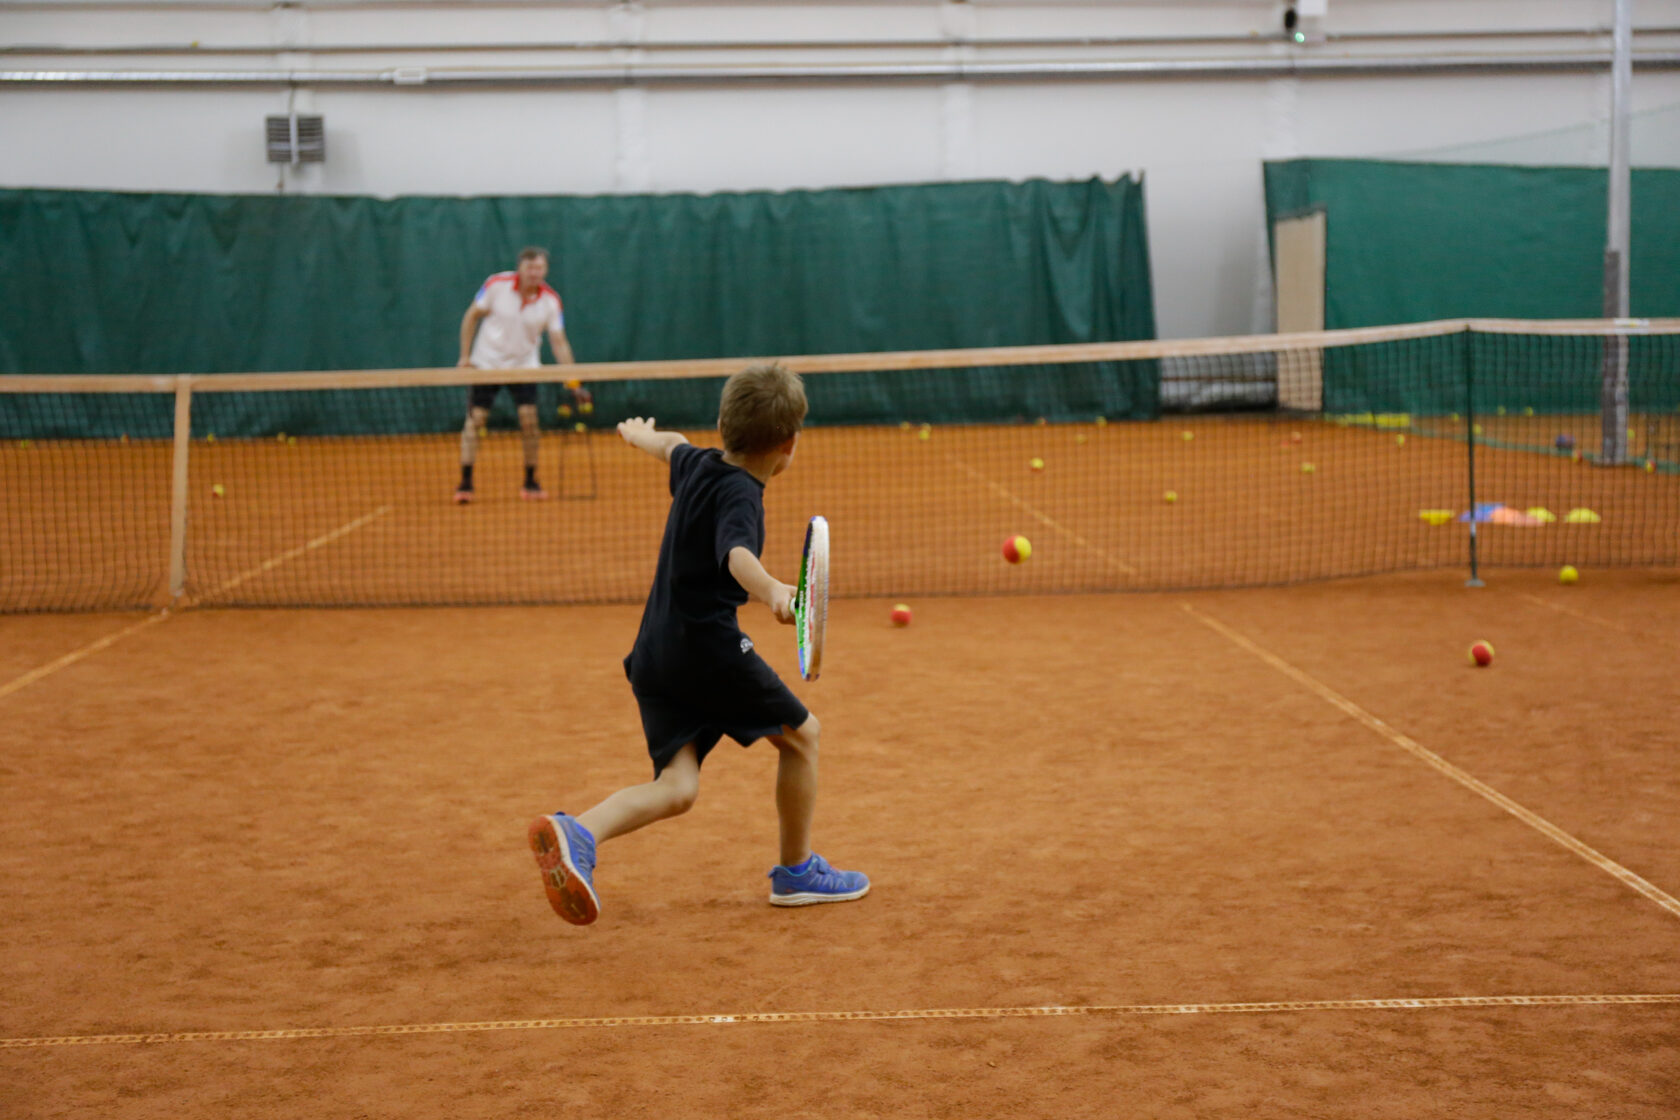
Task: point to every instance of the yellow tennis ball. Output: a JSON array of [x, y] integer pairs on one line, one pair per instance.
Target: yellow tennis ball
[[1500, 410], [565, 411], [1036, 464], [291, 441], [904, 425], [1528, 411], [1186, 436], [1568, 574], [1400, 440], [1080, 438], [1102, 421], [209, 437], [580, 426], [218, 490], [1307, 468], [1170, 497], [25, 444], [925, 432], [586, 407], [280, 437]]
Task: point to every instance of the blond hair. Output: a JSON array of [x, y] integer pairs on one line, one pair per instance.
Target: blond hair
[[763, 406]]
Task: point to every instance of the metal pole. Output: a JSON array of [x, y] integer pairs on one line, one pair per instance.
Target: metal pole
[[1613, 395], [1469, 352]]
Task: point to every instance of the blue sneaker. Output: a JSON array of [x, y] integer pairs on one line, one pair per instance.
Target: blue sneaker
[[815, 881], [565, 852]]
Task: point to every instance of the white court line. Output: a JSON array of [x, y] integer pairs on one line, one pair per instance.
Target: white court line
[[765, 1017], [112, 639], [76, 655], [1573, 613], [290, 554], [1533, 820], [1044, 518]]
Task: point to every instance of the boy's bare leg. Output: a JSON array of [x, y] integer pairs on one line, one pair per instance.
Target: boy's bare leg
[[670, 794], [796, 788]]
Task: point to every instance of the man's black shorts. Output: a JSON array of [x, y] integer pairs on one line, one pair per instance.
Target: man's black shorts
[[747, 702], [484, 396]]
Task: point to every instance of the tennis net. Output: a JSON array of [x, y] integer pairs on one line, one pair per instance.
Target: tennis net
[[1129, 466]]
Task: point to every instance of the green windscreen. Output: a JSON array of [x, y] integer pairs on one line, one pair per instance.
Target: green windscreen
[[98, 282]]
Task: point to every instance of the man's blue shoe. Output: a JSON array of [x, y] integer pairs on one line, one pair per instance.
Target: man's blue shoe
[[815, 881], [565, 852]]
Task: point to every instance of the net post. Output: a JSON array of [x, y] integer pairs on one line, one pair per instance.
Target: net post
[[178, 489], [1475, 579]]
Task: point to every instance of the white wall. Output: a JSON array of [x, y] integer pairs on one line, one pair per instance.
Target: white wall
[[1200, 142]]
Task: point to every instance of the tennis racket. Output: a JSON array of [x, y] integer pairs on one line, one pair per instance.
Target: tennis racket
[[810, 599]]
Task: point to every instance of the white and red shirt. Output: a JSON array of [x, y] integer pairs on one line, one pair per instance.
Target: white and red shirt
[[510, 336]]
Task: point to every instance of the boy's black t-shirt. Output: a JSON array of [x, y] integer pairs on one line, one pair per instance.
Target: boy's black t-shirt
[[689, 627]]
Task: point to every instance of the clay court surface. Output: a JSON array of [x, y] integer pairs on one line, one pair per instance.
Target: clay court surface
[[1101, 828]]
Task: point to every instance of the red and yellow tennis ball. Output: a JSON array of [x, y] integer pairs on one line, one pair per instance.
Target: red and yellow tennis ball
[[1017, 549], [218, 490], [900, 615], [1481, 654]]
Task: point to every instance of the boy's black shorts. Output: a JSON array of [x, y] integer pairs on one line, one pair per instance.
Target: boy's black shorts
[[746, 702], [484, 396]]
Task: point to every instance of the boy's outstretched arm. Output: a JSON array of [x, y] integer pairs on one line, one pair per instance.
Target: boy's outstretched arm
[[760, 584], [641, 433]]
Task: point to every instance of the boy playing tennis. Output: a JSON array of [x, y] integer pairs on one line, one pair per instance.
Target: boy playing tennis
[[694, 673]]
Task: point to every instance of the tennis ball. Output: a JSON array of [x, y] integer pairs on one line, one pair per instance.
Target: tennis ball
[[1017, 549], [1294, 437], [1568, 574], [125, 437], [1453, 416], [1307, 468], [1080, 438], [1481, 654], [1041, 421], [1650, 465], [1102, 421], [580, 426], [1186, 436], [1500, 410], [1575, 456], [1036, 464], [25, 444], [1475, 429], [209, 437], [904, 425], [218, 490], [925, 431], [291, 441], [280, 437], [1528, 411], [1400, 440], [586, 407], [900, 615], [1170, 497], [565, 411]]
